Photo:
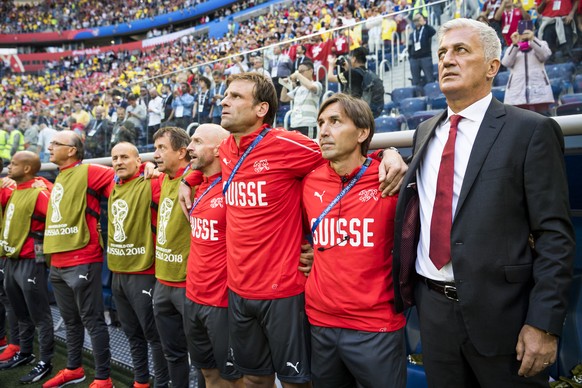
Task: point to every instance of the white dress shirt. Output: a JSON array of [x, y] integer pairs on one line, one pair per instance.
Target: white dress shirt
[[427, 175]]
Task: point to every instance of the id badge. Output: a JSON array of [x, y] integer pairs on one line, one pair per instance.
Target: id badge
[[505, 30], [417, 46], [200, 108], [180, 111], [557, 5], [274, 71]]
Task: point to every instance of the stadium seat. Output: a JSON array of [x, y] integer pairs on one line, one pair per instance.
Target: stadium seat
[[577, 84], [570, 346], [435, 71], [568, 98], [571, 108], [558, 87], [399, 94], [498, 92], [106, 277], [439, 102], [409, 106], [333, 86], [416, 374], [280, 117], [386, 123], [501, 78], [418, 117], [561, 70], [432, 90]]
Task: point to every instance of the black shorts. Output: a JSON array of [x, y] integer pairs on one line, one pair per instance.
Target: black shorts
[[269, 336], [343, 358], [206, 328]]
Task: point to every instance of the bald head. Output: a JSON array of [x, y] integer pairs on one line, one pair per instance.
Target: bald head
[[24, 166], [203, 148], [125, 160]]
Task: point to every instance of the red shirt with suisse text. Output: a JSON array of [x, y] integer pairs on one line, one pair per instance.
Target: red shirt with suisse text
[[264, 212], [206, 271], [98, 179], [350, 285]]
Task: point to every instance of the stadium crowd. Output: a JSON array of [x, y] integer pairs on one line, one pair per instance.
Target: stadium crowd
[[62, 15]]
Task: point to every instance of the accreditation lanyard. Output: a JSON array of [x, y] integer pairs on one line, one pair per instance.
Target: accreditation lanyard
[[341, 194], [508, 17], [419, 35], [214, 183], [243, 157]]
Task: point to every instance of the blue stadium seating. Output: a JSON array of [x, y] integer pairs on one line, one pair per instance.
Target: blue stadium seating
[[399, 94], [416, 375], [439, 102], [559, 86], [568, 98], [432, 90], [418, 117], [498, 92], [577, 84], [280, 117], [386, 123], [501, 78], [561, 70], [571, 108], [333, 86], [106, 277], [409, 106], [570, 346]]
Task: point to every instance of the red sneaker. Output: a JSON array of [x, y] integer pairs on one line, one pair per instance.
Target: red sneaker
[[66, 377], [102, 383], [140, 385], [9, 352], [3, 343]]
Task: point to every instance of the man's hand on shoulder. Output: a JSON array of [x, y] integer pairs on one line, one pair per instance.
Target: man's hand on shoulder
[[306, 259], [536, 350], [391, 172], [185, 197]]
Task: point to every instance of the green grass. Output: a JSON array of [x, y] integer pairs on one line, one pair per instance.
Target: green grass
[[122, 377]]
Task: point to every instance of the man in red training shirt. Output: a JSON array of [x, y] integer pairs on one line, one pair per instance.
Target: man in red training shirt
[[356, 338], [205, 310]]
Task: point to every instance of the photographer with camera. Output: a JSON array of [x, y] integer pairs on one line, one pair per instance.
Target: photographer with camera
[[305, 94], [528, 86], [356, 80]]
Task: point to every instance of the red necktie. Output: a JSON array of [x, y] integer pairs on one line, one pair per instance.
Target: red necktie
[[442, 212]]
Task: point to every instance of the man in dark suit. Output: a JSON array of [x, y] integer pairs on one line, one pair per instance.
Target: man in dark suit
[[484, 243]]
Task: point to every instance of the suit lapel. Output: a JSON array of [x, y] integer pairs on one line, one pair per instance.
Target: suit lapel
[[488, 132], [424, 132]]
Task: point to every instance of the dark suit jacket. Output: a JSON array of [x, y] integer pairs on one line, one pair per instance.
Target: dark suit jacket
[[515, 184]]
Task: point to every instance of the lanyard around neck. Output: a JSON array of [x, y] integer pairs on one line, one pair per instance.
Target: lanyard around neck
[[243, 157], [341, 194], [214, 183]]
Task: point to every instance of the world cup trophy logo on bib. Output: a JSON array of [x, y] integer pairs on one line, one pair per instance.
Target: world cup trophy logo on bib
[[56, 197], [164, 216], [9, 215], [119, 210]]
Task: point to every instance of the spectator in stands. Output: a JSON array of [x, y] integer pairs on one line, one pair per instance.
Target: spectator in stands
[[374, 26], [257, 63], [300, 56], [206, 314], [97, 135], [30, 135], [167, 98], [44, 138], [528, 86], [238, 66], [217, 95], [183, 105], [509, 14], [130, 222], [499, 165], [80, 115], [22, 232], [15, 141], [72, 238], [557, 26], [488, 10], [123, 132], [420, 51], [203, 104], [305, 93], [155, 113], [281, 67], [137, 115]]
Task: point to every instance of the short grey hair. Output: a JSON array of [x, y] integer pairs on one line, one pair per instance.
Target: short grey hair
[[488, 36]]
